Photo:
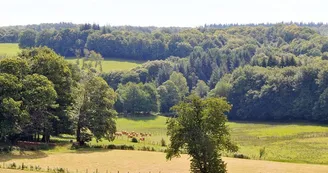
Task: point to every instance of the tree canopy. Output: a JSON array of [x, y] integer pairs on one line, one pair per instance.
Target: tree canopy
[[200, 130]]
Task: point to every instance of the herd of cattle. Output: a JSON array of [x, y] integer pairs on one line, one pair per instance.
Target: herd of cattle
[[133, 135]]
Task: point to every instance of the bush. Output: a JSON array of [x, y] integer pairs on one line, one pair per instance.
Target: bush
[[325, 56], [76, 145], [240, 156], [163, 142], [97, 146], [262, 152], [135, 140], [24, 166], [12, 166], [60, 170], [111, 146], [120, 147], [5, 149]]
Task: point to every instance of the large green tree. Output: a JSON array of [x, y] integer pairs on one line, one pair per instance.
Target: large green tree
[[201, 89], [45, 61], [94, 111], [169, 96], [200, 130], [181, 83], [138, 98], [27, 39], [39, 96], [13, 117]]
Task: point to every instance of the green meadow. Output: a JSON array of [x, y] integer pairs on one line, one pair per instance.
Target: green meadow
[[109, 64], [298, 143], [112, 64], [8, 49]]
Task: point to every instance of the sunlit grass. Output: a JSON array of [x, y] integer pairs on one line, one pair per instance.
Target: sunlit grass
[[9, 49], [109, 64], [113, 64]]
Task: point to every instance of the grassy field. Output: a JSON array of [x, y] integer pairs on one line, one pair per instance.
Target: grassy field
[[9, 49], [145, 162], [113, 64], [109, 64], [299, 143]]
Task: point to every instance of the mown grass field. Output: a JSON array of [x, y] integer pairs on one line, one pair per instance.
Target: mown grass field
[[109, 64], [145, 162]]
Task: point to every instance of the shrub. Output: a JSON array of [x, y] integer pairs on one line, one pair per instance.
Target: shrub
[[135, 140], [120, 147], [24, 166], [60, 170], [5, 149], [97, 146], [163, 142], [12, 166], [325, 56], [111, 147], [262, 152], [76, 145], [240, 156]]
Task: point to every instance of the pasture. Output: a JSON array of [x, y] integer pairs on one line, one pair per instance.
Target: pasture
[[9, 49], [109, 64], [145, 162], [298, 143], [113, 64]]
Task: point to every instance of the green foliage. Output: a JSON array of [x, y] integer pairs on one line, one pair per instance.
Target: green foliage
[[95, 101], [200, 129], [15, 66], [222, 89], [45, 61], [201, 89], [262, 152], [181, 83], [27, 39], [240, 156], [138, 98], [293, 93], [134, 140], [163, 142], [169, 96]]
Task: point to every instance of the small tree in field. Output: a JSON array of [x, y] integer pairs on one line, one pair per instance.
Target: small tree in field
[[200, 130]]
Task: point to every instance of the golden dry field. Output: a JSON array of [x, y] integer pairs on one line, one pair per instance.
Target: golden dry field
[[145, 162]]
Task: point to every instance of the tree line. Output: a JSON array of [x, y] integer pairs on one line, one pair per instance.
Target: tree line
[[151, 43]]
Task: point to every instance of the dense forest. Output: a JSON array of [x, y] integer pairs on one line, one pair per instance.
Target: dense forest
[[267, 72]]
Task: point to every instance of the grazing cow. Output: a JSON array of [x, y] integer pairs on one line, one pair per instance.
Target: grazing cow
[[118, 133]]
